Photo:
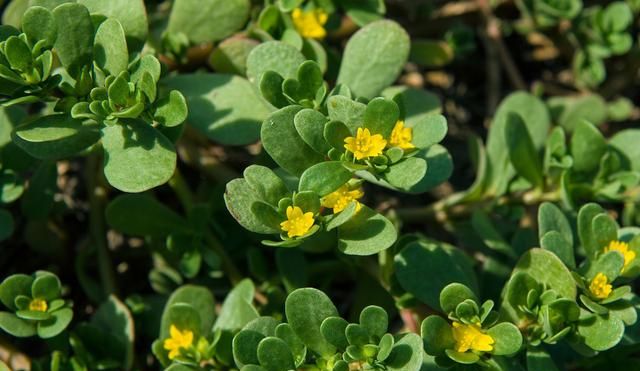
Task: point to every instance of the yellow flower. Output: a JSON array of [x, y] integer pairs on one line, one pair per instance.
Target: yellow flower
[[364, 144], [38, 305], [471, 337], [178, 340], [622, 248], [401, 136], [310, 23], [340, 198], [298, 223], [599, 287]]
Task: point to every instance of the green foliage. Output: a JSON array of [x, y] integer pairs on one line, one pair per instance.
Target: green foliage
[[270, 186]]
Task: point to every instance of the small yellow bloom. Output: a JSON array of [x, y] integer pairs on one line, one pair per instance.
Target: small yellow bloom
[[38, 305], [310, 23], [622, 248], [599, 287], [298, 222], [471, 337], [178, 340], [340, 198], [401, 136], [365, 145]]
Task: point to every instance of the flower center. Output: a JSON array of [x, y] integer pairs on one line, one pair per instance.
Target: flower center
[[298, 223], [310, 23], [471, 337], [599, 287], [365, 145], [177, 340], [340, 198], [401, 136], [38, 305]]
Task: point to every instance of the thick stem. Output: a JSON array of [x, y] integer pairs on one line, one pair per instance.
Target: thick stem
[[97, 203]]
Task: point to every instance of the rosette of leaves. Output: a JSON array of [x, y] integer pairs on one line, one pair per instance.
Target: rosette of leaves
[[317, 136], [462, 308], [26, 60], [315, 337], [206, 337], [260, 200], [109, 101], [35, 305], [550, 12], [604, 32]]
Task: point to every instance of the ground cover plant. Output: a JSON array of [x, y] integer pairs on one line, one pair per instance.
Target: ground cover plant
[[326, 185]]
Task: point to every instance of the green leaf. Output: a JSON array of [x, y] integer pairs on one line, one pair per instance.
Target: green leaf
[[143, 215], [38, 24], [110, 47], [271, 89], [551, 218], [626, 142], [366, 233], [114, 317], [507, 337], [273, 56], [324, 178], [556, 243], [310, 125], [547, 269], [437, 335], [237, 308], [406, 354], [539, 360], [587, 147], [46, 286], [306, 309], [60, 319], [74, 45], [55, 136], [208, 21], [239, 198], [297, 348], [375, 320], [380, 116], [333, 330], [17, 53], [16, 326], [424, 269], [245, 347], [454, 294], [225, 108], [199, 299], [131, 14], [416, 107], [282, 142], [6, 224], [230, 56], [356, 335], [266, 184], [171, 110], [274, 355], [367, 71], [347, 111], [522, 153], [137, 157], [601, 333], [536, 118], [588, 239], [571, 110]]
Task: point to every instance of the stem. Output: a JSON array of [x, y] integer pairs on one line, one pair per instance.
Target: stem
[[446, 209], [181, 188], [97, 203]]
